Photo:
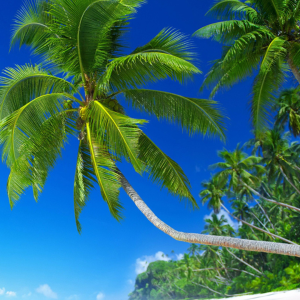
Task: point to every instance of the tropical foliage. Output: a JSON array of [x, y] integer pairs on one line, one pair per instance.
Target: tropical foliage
[[40, 109], [256, 35], [254, 194]]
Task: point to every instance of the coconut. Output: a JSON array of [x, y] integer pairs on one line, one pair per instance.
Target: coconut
[[112, 104]]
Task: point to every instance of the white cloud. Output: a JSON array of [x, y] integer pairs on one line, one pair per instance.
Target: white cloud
[[224, 213], [45, 290], [179, 256], [142, 263], [198, 170], [100, 296], [11, 294], [2, 291]]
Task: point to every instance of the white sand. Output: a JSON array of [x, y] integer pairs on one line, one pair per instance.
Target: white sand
[[289, 295]]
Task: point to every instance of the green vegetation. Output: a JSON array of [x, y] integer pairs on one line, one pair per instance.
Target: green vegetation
[[40, 110], [256, 34], [258, 185]]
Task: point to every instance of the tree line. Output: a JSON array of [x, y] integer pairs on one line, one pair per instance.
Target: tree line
[[257, 186]]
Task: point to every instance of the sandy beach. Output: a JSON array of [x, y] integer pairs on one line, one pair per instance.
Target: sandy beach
[[289, 295]]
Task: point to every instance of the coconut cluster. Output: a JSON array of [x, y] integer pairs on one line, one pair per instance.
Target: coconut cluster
[[113, 104], [67, 104]]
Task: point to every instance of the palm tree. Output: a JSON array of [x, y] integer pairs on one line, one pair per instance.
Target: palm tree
[[185, 270], [40, 110], [236, 167], [288, 110], [256, 34], [213, 194], [241, 209], [281, 158], [84, 40], [218, 225]]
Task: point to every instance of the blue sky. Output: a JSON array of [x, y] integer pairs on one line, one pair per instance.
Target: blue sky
[[42, 255]]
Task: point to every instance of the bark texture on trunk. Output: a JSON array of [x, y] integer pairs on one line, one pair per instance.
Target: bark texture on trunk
[[249, 245], [294, 69]]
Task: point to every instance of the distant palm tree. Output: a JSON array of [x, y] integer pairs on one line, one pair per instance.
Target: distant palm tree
[[218, 225], [241, 209], [288, 107], [212, 193], [281, 158], [236, 168], [256, 34]]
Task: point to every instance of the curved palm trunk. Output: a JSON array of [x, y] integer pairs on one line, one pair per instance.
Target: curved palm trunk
[[288, 180], [224, 241], [208, 269], [294, 69], [257, 228], [270, 200]]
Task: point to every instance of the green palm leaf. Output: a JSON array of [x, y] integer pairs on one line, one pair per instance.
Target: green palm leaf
[[195, 115], [16, 128], [139, 68], [227, 31], [24, 83], [105, 171], [31, 26], [37, 156], [84, 181], [164, 171], [268, 80], [93, 31], [119, 132], [231, 9]]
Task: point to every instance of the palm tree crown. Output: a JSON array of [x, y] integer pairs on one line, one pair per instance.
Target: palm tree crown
[[39, 110], [261, 34], [288, 107]]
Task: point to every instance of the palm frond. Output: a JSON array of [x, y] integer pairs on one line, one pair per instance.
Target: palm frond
[[93, 37], [31, 26], [163, 170], [247, 44], [170, 42], [84, 181], [119, 132], [269, 79], [141, 68], [105, 171], [19, 126], [37, 156], [23, 83], [19, 180], [233, 9], [227, 31], [195, 115], [226, 75]]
